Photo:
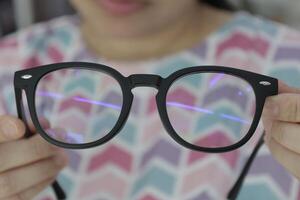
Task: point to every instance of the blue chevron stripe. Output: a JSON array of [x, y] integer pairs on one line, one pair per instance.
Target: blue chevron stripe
[[257, 191], [9, 97], [107, 122], [83, 82], [157, 178], [175, 64], [288, 75], [206, 121], [66, 183], [193, 80], [37, 43], [63, 36], [128, 133]]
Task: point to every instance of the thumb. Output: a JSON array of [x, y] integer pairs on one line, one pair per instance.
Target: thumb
[[284, 88], [11, 128]]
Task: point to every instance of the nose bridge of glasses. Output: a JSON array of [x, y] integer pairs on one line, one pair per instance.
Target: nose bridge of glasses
[[148, 80]]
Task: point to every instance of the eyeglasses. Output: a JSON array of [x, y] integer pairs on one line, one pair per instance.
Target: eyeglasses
[[212, 109]]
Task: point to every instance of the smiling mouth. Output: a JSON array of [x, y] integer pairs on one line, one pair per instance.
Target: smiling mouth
[[121, 7]]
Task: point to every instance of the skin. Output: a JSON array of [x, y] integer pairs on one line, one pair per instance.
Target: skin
[[31, 164], [149, 33], [281, 118], [34, 164]]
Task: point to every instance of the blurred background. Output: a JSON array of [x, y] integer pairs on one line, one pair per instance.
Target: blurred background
[[15, 14]]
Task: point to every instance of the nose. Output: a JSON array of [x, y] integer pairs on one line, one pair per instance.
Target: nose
[[148, 80]]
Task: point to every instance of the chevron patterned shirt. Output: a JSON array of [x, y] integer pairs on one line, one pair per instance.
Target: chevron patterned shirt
[[143, 162]]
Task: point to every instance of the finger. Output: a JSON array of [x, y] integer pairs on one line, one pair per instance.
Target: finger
[[11, 128], [32, 192], [283, 107], [25, 151], [287, 158], [284, 88], [287, 134], [17, 180]]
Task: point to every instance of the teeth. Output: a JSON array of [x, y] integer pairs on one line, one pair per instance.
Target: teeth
[[26, 76]]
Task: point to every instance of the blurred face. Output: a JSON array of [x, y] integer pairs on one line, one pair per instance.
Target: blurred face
[[129, 18]]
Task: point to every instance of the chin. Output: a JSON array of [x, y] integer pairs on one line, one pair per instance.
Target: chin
[[123, 28]]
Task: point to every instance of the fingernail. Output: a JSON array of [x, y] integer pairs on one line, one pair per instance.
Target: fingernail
[[61, 159], [8, 128]]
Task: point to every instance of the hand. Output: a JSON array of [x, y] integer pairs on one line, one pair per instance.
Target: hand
[[27, 166], [281, 119]]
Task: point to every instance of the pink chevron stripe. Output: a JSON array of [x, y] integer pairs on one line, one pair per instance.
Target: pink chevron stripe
[[181, 120], [32, 61], [216, 138], [298, 194], [164, 150], [149, 197], [151, 105], [241, 62], [7, 43], [219, 139], [214, 176], [77, 123], [113, 155], [54, 54], [231, 158], [69, 103], [182, 95], [244, 42], [108, 183]]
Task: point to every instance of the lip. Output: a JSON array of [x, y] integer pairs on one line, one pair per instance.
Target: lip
[[121, 7]]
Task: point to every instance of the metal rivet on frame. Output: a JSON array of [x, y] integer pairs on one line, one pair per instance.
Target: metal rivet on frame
[[26, 76], [264, 83]]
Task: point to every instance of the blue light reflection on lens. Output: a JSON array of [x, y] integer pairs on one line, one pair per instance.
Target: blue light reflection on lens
[[180, 105], [59, 96], [77, 137], [175, 104], [233, 118], [215, 79], [108, 105]]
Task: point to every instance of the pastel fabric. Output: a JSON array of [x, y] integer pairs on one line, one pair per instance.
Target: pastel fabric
[[143, 162]]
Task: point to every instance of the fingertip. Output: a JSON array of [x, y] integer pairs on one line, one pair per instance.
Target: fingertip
[[11, 128]]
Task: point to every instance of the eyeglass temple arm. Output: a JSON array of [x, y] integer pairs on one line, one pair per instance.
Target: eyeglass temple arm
[[59, 192], [233, 193]]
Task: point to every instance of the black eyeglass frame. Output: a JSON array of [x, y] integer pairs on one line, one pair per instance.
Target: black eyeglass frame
[[27, 80], [263, 86]]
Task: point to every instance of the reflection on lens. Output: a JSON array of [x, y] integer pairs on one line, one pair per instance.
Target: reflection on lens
[[81, 105], [211, 109]]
